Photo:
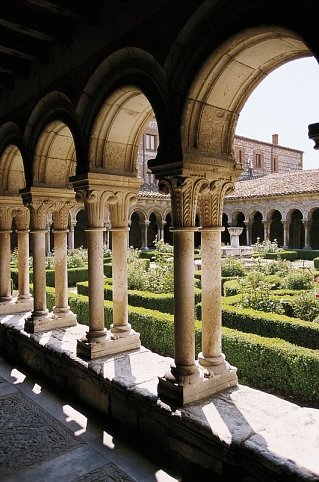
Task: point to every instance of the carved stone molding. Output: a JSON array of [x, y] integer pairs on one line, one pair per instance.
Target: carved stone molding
[[61, 214], [211, 202], [39, 213], [119, 211], [184, 193], [22, 218], [6, 216], [95, 203]]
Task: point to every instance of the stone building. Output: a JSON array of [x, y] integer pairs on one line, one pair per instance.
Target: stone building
[[79, 83]]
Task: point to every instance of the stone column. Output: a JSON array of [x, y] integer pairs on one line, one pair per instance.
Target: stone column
[[144, 229], [307, 234], [5, 254], [48, 235], [219, 373], [98, 191], [39, 208], [286, 234], [70, 235], [248, 232], [22, 219], [266, 229], [120, 331], [96, 342], [161, 230], [180, 385], [62, 315]]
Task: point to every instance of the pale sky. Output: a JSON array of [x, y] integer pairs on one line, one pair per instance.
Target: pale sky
[[285, 103]]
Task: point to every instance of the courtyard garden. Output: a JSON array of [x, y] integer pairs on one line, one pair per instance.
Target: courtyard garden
[[270, 311]]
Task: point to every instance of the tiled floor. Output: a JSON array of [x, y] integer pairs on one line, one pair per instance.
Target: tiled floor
[[46, 438]]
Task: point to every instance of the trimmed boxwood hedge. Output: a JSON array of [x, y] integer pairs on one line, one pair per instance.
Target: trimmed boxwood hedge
[[163, 302], [308, 254], [266, 363], [287, 254]]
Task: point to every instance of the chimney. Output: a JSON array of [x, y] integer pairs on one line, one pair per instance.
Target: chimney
[[275, 139]]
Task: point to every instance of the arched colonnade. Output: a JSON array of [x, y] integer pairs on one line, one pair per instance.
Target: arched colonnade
[[85, 151]]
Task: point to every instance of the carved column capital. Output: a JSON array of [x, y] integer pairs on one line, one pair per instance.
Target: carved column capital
[[120, 209], [184, 193], [6, 216], [95, 201], [211, 202], [61, 214], [22, 218]]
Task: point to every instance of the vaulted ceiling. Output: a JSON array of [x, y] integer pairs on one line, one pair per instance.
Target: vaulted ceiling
[[30, 28]]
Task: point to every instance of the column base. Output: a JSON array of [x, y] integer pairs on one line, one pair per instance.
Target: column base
[[207, 384], [64, 316], [48, 322], [102, 347], [16, 305]]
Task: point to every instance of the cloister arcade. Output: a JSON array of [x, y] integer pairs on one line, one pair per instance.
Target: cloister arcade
[[83, 150]]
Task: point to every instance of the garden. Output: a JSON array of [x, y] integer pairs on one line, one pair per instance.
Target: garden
[[270, 311]]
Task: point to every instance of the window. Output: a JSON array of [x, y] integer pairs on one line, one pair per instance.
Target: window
[[274, 164], [258, 160], [240, 156], [150, 142]]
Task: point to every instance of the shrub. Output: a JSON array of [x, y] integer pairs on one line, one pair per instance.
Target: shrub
[[298, 279], [288, 255], [231, 287], [316, 263], [308, 254], [77, 258], [233, 267], [305, 306]]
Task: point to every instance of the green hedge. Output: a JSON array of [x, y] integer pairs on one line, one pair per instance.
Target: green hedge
[[308, 254], [287, 254], [293, 330], [74, 276], [163, 302], [265, 363]]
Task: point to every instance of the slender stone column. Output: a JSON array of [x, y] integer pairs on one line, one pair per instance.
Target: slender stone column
[[161, 230], [6, 216], [22, 220], [5, 277], [40, 314], [211, 358], [48, 236], [180, 385], [307, 234], [99, 191], [70, 237], [286, 234], [266, 229], [248, 232], [63, 316], [144, 229], [120, 330]]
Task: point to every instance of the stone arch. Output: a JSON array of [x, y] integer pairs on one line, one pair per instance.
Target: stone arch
[[276, 229], [52, 131], [213, 85], [12, 173], [137, 217], [225, 237], [257, 227], [123, 94], [314, 229], [296, 229]]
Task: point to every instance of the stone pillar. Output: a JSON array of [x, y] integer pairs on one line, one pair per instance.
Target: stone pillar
[[286, 234], [248, 232], [70, 235], [48, 235], [39, 208], [144, 229], [161, 226], [307, 234], [180, 385], [62, 315], [120, 331], [218, 372], [5, 255], [22, 219], [96, 343], [266, 229]]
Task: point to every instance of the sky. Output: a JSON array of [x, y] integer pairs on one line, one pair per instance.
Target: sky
[[285, 103]]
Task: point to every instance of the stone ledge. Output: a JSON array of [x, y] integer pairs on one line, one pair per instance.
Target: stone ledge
[[240, 434]]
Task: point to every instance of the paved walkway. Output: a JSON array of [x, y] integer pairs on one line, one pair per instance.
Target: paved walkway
[[46, 438]]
